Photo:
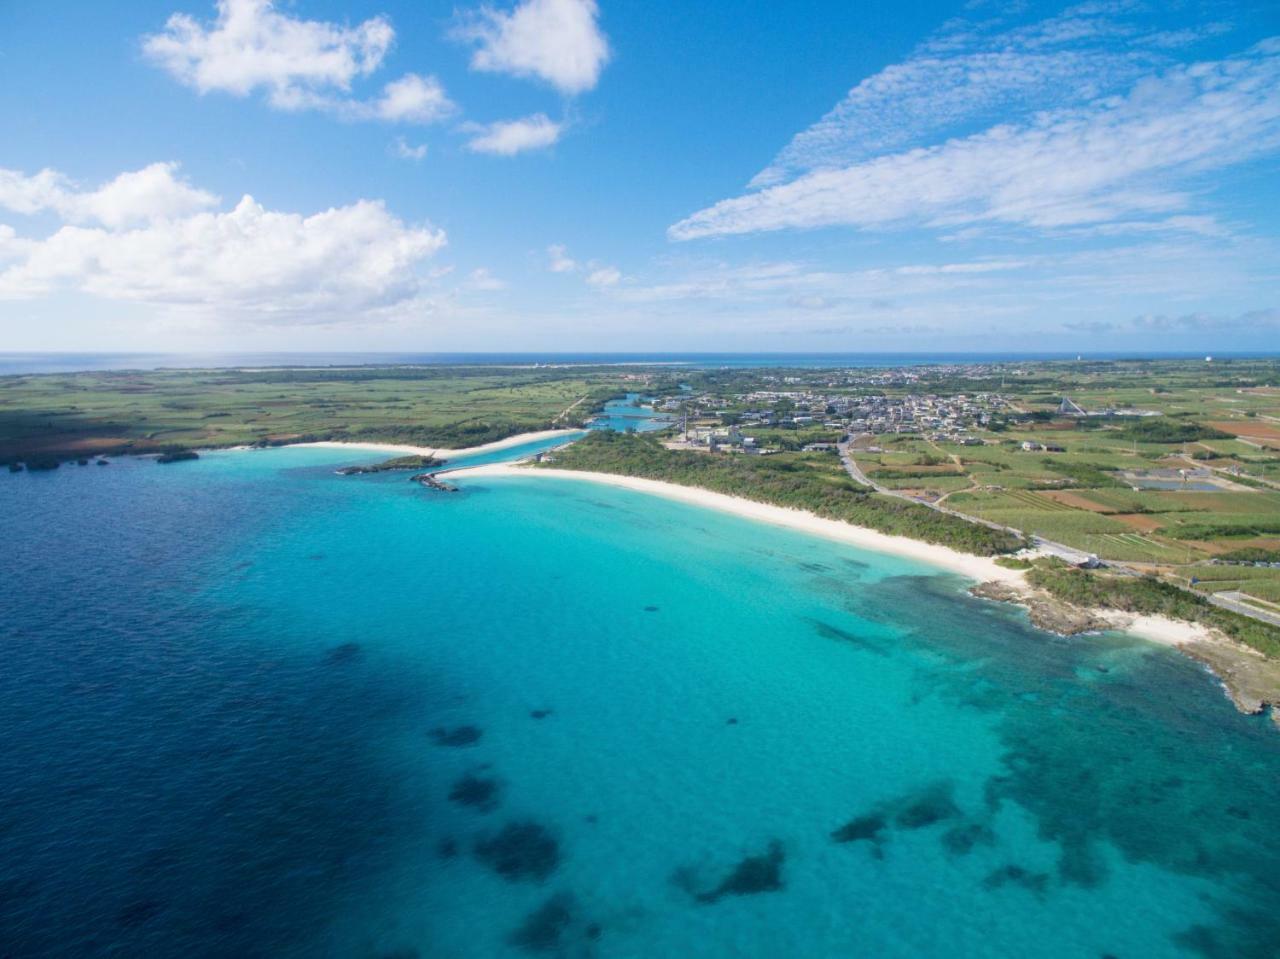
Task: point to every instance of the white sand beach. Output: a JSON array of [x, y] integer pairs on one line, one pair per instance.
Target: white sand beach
[[976, 567], [401, 449], [1158, 629]]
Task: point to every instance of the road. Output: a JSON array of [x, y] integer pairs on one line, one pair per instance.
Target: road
[[1232, 600]]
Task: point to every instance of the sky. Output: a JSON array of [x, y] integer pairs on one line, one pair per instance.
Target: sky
[[570, 175]]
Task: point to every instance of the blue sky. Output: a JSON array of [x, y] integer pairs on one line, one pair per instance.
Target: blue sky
[[570, 174]]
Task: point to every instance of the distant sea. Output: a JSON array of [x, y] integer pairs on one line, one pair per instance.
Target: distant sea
[[251, 708], [11, 363]]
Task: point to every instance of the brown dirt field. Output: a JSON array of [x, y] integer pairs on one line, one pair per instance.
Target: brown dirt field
[[1250, 429], [1142, 522], [1074, 500]]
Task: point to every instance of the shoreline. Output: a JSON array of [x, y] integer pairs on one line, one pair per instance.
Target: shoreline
[[981, 568], [405, 449], [1251, 682]]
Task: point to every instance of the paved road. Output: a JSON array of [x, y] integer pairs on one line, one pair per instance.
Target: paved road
[[1232, 600]]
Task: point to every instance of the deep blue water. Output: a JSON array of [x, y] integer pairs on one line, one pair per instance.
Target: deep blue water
[[252, 708], [11, 363]]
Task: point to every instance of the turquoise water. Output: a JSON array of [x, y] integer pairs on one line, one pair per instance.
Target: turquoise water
[[251, 708], [624, 414]]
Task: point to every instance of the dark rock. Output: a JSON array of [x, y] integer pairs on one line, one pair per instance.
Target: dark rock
[[82, 462], [458, 736], [104, 462], [447, 848], [651, 609], [177, 456], [731, 721], [521, 851], [15, 467], [539, 713]]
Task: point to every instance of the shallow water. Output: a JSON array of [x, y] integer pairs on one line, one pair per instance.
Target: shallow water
[[252, 708]]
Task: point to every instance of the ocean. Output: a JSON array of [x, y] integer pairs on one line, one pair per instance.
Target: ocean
[[29, 363], [253, 708]]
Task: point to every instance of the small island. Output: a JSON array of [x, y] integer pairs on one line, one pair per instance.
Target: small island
[[397, 463]]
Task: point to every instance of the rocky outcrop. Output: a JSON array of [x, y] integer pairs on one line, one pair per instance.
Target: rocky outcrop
[[1045, 611]]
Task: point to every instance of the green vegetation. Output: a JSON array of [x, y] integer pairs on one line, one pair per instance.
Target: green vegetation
[[414, 462], [69, 416], [1165, 430], [812, 482], [1013, 562], [1147, 595], [1251, 554]]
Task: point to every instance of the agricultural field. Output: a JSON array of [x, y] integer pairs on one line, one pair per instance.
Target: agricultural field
[[1212, 441], [61, 416]]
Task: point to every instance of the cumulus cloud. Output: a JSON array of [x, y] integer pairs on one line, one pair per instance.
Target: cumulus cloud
[[152, 193], [412, 99], [1115, 158], [509, 137], [557, 41], [299, 64], [559, 259], [269, 266], [604, 276], [407, 151]]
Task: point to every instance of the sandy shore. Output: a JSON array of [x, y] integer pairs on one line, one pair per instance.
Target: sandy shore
[[401, 449], [1248, 679], [1168, 632], [976, 567]]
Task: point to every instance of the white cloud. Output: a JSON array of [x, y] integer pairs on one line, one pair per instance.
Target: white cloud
[[407, 151], [558, 41], [299, 64], [345, 263], [604, 276], [413, 99], [560, 261], [481, 279], [152, 193], [1116, 158], [509, 137]]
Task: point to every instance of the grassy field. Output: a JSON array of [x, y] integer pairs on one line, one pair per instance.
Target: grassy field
[[62, 416], [1209, 418]]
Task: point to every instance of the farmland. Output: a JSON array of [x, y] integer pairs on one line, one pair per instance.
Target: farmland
[[61, 416]]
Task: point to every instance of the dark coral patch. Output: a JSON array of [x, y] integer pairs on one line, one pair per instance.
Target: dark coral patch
[[961, 839], [447, 848], [543, 929], [754, 874], [827, 631], [458, 736], [539, 713], [1036, 882], [478, 792], [869, 828], [521, 851], [931, 806], [651, 609]]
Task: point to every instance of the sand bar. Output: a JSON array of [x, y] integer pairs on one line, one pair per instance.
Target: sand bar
[[401, 449]]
